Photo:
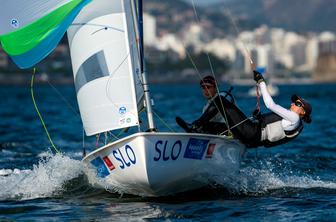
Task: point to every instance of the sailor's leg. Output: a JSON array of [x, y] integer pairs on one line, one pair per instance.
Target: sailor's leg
[[214, 128], [242, 128]]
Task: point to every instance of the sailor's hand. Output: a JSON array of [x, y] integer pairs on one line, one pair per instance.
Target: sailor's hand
[[257, 76], [256, 114]]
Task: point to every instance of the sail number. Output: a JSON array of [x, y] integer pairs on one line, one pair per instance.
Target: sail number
[[125, 158], [166, 151]]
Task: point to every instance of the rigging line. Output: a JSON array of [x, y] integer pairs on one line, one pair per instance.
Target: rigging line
[[199, 74], [63, 98], [248, 53], [97, 140], [199, 21], [210, 63], [110, 79], [241, 122], [38, 112], [162, 120]]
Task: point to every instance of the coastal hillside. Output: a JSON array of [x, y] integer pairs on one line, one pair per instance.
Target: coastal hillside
[[298, 15]]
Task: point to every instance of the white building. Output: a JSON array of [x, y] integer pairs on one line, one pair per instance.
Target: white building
[[312, 53], [193, 35], [171, 42], [222, 48], [262, 35], [262, 56], [149, 29]]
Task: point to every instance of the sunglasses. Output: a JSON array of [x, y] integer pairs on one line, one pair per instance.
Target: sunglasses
[[298, 103]]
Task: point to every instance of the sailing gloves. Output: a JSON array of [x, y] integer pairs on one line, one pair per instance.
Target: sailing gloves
[[257, 76]]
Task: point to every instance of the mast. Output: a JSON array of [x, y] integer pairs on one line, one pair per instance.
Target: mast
[[143, 70]]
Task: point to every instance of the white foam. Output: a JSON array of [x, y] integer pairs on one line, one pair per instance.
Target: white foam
[[44, 180], [254, 180]]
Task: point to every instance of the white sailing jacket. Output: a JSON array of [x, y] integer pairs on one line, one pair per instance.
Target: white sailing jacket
[[276, 130]]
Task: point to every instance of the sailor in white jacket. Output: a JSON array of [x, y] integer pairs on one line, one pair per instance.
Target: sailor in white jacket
[[281, 124]]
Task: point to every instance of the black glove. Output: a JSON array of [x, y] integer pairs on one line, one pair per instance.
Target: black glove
[[256, 114], [257, 76]]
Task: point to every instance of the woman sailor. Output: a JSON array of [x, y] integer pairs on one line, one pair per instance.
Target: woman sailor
[[277, 127], [281, 125]]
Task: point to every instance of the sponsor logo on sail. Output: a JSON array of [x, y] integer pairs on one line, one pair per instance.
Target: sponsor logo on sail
[[195, 148], [15, 23], [122, 110]]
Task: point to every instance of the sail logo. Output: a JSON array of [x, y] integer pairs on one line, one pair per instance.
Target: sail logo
[[195, 149], [122, 110], [15, 23]]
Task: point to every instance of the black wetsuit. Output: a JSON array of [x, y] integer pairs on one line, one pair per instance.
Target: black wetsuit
[[248, 132]]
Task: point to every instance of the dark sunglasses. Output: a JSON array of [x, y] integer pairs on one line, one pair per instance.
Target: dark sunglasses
[[298, 103]]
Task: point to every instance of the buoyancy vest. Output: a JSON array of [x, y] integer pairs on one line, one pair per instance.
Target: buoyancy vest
[[218, 118], [272, 131]]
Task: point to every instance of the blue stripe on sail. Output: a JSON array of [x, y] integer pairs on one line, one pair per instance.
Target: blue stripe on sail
[[34, 56]]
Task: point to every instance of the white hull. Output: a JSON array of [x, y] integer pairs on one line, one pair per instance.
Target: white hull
[[159, 164]]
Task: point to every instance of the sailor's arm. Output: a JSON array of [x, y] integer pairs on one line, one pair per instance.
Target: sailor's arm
[[271, 105]]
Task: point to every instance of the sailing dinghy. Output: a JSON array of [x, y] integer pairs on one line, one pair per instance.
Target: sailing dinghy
[[106, 46]]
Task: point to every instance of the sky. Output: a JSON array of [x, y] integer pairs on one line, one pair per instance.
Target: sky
[[204, 2]]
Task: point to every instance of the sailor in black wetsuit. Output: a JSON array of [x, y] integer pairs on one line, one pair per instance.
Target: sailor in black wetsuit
[[212, 120], [277, 127]]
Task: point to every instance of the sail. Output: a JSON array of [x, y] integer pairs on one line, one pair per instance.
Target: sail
[[106, 68], [31, 29]]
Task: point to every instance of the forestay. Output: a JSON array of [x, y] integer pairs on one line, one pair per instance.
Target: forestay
[[106, 68]]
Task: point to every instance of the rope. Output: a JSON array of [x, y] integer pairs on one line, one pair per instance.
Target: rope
[[97, 140], [258, 98], [199, 74], [241, 122], [63, 98], [38, 112], [212, 71], [248, 54], [166, 124]]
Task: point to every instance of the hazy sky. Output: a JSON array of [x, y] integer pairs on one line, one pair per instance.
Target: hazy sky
[[204, 2]]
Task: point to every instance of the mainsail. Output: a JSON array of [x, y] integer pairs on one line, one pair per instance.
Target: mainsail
[[31, 29], [106, 68]]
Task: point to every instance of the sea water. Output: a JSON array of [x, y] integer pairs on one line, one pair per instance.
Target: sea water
[[292, 182]]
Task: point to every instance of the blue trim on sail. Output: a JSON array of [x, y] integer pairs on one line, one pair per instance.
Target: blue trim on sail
[[34, 56]]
